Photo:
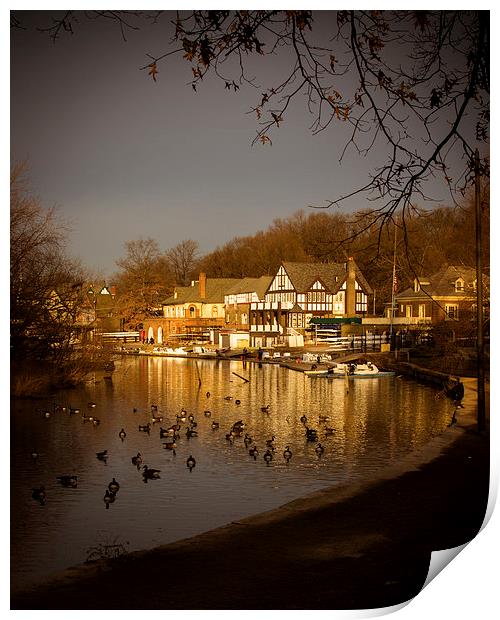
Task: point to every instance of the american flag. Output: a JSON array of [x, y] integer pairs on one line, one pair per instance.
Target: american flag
[[394, 280]]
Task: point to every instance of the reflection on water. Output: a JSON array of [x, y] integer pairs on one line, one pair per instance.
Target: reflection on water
[[370, 424]]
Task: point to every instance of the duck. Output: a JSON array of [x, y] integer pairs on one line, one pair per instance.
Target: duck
[[68, 481], [114, 486], [191, 462], [287, 454], [268, 456], [137, 460], [265, 409], [149, 473], [102, 456], [319, 449], [253, 452], [39, 495], [122, 434]]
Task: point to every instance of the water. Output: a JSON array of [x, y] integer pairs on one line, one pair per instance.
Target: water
[[375, 423]]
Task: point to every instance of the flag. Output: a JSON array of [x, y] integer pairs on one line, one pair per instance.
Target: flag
[[394, 280]]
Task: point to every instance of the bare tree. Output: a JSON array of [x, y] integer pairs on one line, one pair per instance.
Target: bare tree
[[183, 259], [45, 285], [144, 280]]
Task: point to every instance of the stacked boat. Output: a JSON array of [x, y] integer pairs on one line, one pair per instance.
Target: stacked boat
[[349, 370]]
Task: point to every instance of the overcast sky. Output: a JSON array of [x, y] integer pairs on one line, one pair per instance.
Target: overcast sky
[[126, 158]]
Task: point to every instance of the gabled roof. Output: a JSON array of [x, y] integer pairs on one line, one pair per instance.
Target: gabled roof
[[442, 284], [251, 285], [215, 289], [332, 275]]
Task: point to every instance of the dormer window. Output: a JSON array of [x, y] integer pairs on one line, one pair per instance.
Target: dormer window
[[459, 285], [416, 285]]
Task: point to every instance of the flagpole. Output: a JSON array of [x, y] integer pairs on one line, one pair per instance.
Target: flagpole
[[393, 283]]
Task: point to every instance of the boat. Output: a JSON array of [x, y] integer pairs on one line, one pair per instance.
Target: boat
[[351, 371]]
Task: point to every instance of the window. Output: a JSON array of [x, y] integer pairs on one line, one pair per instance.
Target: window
[[244, 318], [215, 311], [421, 311], [459, 285], [451, 311], [408, 311], [192, 312]]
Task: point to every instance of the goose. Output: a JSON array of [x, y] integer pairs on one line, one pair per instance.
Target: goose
[[329, 431], [230, 436], [208, 394], [191, 462], [170, 445], [91, 405], [154, 407], [319, 449], [96, 421], [165, 432], [181, 416], [265, 409], [237, 401], [156, 418], [102, 456], [228, 398], [303, 419], [73, 410], [149, 473], [134, 410], [248, 440], [268, 456], [287, 454], [114, 486], [145, 428], [68, 481], [122, 434], [87, 418], [191, 432], [238, 426], [207, 413], [215, 425], [191, 417], [270, 442], [46, 414], [108, 499], [323, 418], [34, 454], [137, 460], [253, 452], [39, 495]]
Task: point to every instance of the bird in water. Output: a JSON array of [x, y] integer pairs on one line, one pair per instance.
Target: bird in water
[[39, 495], [208, 394], [207, 413], [303, 419], [114, 486], [148, 473], [265, 409], [191, 462], [34, 455], [319, 449], [122, 434], [253, 452], [215, 425], [247, 440], [91, 405], [170, 445], [287, 454], [68, 481], [137, 460], [191, 432], [102, 456], [237, 401], [145, 428], [268, 456], [109, 498], [270, 442]]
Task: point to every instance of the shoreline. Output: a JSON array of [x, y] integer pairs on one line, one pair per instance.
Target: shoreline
[[364, 525]]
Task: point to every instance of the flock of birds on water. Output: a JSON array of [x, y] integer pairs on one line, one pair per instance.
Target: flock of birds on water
[[171, 435]]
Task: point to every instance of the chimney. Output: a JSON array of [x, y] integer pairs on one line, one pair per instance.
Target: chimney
[[202, 285], [350, 294]]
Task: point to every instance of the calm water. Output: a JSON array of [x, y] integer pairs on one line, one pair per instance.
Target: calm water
[[376, 422]]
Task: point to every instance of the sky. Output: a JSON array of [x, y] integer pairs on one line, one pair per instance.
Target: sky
[[124, 158]]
